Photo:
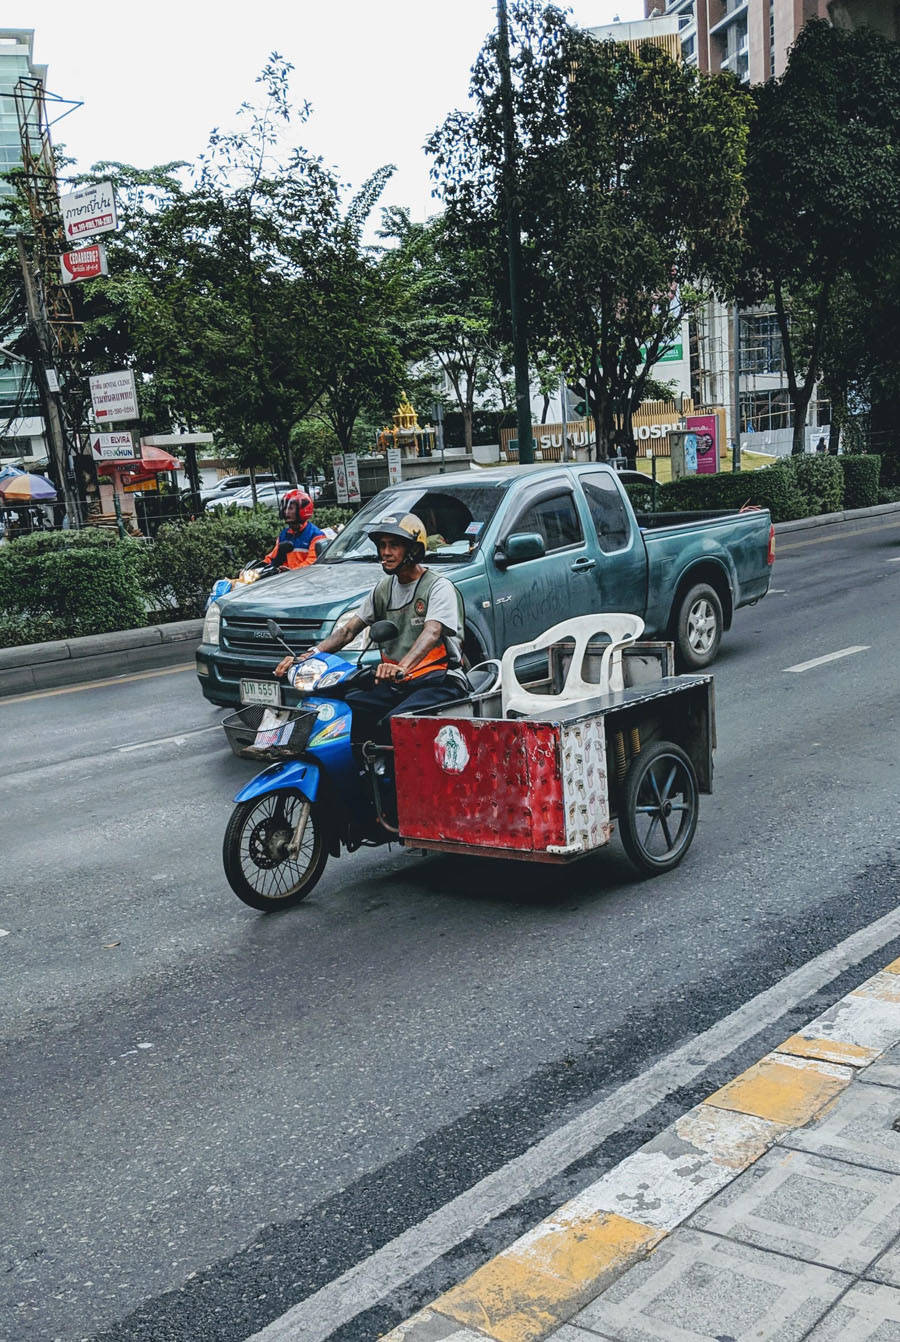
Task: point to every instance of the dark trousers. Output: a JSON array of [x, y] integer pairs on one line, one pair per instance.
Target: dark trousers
[[373, 708]]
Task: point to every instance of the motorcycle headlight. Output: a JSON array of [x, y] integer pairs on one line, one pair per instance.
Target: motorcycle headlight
[[305, 675], [361, 642], [211, 624], [333, 678]]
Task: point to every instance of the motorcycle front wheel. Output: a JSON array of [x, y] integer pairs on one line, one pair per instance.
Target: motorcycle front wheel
[[260, 869]]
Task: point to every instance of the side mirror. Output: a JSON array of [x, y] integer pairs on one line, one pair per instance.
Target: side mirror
[[382, 631], [521, 545]]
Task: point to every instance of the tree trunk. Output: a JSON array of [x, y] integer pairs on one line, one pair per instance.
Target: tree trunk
[[545, 408]]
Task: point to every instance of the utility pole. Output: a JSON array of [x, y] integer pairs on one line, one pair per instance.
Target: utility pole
[[514, 245], [38, 320], [736, 407]]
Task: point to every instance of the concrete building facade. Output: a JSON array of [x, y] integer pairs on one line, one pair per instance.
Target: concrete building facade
[[22, 436]]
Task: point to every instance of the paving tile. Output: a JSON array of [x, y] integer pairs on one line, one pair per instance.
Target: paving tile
[[867, 1313], [886, 1070], [696, 1287], [825, 1211], [569, 1333], [886, 1269], [857, 1128]]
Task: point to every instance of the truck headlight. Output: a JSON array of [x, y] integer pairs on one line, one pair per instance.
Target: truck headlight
[[361, 642], [211, 624]]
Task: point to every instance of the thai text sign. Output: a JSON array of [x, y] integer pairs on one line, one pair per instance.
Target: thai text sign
[[109, 447], [89, 211], [84, 264], [394, 465], [351, 466], [114, 396]]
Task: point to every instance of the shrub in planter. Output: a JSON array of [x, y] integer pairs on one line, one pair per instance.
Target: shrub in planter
[[18, 630], [821, 481], [187, 558], [774, 487], [861, 473], [83, 589]]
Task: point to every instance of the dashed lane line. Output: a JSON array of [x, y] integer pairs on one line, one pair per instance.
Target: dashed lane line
[[365, 1284], [828, 657], [177, 739]]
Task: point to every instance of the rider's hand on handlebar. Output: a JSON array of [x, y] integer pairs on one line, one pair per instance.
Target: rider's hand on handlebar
[[390, 671]]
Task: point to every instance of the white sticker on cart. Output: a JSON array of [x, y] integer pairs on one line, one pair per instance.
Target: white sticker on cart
[[450, 750]]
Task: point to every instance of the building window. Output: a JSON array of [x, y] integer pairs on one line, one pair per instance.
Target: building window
[[771, 39], [763, 411], [761, 347]]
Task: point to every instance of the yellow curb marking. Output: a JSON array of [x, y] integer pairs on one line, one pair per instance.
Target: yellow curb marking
[[783, 1088], [892, 968], [885, 987], [731, 1139], [97, 684], [829, 1050], [539, 1282]]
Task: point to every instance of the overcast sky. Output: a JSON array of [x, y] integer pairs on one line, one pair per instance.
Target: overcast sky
[[155, 78]]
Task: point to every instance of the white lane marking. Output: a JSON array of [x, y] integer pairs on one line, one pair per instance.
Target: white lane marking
[[777, 591], [178, 740], [829, 657], [894, 561], [362, 1286], [3, 932]]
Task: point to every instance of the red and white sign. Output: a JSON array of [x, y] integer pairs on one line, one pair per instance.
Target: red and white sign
[[394, 465], [89, 211], [114, 396], [351, 467], [340, 477], [112, 447], [84, 264]]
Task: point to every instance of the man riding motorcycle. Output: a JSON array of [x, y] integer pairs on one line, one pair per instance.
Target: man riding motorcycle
[[299, 539], [421, 667]]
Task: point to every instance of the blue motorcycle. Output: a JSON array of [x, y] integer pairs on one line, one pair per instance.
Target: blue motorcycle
[[321, 792]]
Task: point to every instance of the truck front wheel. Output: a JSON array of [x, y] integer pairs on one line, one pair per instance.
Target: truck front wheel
[[698, 629]]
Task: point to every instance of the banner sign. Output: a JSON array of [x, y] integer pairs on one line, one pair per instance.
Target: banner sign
[[702, 454], [110, 447], [340, 478], [394, 465], [114, 396], [351, 467], [84, 264], [147, 485], [89, 211]]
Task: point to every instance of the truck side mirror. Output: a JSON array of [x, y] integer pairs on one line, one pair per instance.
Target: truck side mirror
[[521, 545]]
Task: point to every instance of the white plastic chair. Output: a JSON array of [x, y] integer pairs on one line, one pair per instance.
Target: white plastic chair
[[621, 629]]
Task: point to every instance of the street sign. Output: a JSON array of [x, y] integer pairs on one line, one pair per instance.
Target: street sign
[[351, 467], [114, 396], [52, 380], [340, 477], [112, 447], [147, 485], [86, 263], [394, 465], [89, 211]]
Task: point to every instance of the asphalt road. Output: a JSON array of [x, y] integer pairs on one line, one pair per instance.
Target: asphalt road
[[207, 1114]]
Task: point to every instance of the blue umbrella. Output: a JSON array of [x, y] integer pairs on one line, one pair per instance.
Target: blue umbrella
[[9, 471]]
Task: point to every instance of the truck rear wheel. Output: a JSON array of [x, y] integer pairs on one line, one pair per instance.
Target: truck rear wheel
[[698, 628]]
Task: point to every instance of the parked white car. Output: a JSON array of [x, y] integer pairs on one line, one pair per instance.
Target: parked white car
[[269, 493], [224, 490]]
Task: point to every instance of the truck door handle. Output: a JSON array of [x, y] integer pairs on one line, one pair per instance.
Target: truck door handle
[[583, 564]]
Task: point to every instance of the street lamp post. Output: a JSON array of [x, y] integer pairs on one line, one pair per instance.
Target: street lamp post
[[514, 245]]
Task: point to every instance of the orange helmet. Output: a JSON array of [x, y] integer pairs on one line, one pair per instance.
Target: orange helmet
[[305, 505]]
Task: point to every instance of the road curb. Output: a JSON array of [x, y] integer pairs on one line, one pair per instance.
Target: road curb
[[42, 666], [531, 1289], [830, 519]]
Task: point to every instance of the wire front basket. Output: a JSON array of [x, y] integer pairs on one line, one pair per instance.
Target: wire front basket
[[271, 734]]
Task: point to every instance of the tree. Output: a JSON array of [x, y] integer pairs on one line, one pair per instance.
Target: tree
[[449, 313], [823, 179], [630, 191]]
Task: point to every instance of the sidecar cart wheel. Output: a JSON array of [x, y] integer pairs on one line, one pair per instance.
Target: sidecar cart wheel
[[259, 868], [659, 807]]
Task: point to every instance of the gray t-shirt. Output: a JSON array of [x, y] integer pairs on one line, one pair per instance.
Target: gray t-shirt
[[441, 606]]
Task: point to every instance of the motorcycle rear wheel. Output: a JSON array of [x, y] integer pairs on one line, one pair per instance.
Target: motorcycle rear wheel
[[259, 869]]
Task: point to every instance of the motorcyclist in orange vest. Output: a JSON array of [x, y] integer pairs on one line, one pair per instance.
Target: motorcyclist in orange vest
[[299, 538]]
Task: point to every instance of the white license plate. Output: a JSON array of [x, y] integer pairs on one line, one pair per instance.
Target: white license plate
[[261, 692]]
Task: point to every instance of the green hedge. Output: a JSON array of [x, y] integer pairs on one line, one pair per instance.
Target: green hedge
[[70, 590], [774, 487], [861, 472], [187, 558], [820, 481]]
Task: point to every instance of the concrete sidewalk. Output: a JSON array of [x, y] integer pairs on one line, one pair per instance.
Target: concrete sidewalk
[[70, 661], [771, 1212]]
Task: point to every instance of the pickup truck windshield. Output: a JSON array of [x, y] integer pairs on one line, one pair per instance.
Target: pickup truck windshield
[[454, 517]]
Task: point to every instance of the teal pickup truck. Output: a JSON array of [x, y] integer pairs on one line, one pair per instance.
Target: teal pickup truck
[[526, 548]]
